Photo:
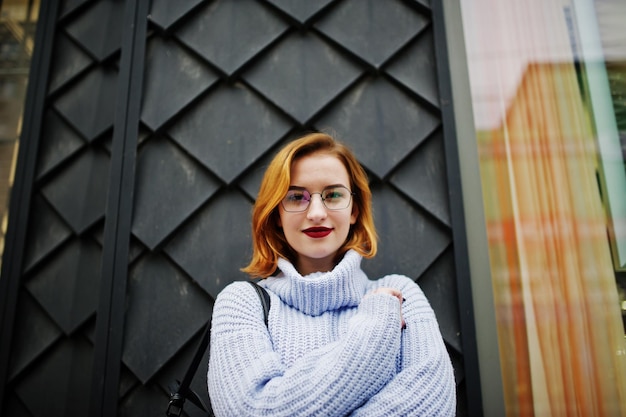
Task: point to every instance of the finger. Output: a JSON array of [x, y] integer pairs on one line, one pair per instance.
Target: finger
[[391, 291]]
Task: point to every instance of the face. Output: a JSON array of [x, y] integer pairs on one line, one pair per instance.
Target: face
[[317, 233]]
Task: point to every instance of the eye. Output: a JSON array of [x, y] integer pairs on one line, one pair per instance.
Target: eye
[[333, 194], [296, 196]]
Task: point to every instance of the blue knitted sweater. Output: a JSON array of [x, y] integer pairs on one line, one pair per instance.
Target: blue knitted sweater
[[328, 350]]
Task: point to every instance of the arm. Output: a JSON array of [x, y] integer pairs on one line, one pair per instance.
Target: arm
[[425, 383], [246, 376]]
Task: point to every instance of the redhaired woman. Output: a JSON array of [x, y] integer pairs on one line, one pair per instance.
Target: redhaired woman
[[336, 343]]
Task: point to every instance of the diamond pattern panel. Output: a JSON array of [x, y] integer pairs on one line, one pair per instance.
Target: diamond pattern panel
[[148, 401], [165, 13], [34, 333], [67, 285], [58, 142], [154, 283], [250, 182], [79, 191], [422, 177], [46, 232], [70, 6], [69, 61], [226, 83], [15, 408], [381, 123], [222, 230], [417, 68], [128, 382], [90, 103], [170, 187], [229, 33], [61, 384], [302, 74], [301, 10], [99, 28], [372, 29], [439, 285], [408, 241], [173, 79], [245, 125]]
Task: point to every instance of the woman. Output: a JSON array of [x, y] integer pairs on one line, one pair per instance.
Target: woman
[[336, 343]]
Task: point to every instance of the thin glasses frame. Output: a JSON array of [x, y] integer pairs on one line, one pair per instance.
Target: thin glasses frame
[[298, 199]]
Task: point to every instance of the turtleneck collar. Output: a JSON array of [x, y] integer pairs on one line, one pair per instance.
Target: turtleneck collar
[[319, 292]]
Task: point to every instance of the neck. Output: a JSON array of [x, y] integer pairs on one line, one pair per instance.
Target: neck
[[306, 266], [318, 292]]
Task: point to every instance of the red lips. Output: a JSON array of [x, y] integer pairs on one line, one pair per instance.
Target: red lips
[[317, 232]]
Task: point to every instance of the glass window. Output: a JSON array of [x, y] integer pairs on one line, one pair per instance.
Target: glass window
[[17, 30], [548, 87]]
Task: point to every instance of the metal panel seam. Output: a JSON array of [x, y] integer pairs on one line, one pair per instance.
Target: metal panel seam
[[457, 216], [19, 207], [110, 319]]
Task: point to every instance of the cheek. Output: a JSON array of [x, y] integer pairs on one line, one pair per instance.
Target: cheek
[[287, 222], [346, 221]]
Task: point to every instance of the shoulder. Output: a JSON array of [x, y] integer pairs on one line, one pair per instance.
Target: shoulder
[[238, 296], [236, 289]]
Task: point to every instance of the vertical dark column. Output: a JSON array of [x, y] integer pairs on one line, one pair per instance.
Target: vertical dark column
[[457, 217], [21, 193], [110, 316]]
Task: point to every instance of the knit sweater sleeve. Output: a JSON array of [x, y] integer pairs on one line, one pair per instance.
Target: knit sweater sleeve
[[424, 385], [246, 376]]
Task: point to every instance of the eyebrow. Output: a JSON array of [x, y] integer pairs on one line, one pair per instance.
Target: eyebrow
[[297, 187]]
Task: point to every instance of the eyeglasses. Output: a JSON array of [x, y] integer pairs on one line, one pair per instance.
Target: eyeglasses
[[333, 198]]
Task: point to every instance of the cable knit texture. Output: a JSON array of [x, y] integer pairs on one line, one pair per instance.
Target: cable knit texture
[[328, 349]]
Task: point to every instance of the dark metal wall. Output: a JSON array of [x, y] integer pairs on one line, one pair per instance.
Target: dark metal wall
[[149, 124]]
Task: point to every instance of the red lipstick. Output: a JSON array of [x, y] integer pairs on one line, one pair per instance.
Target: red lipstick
[[317, 232]]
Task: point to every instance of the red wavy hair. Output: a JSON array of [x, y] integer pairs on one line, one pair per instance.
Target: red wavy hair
[[268, 239]]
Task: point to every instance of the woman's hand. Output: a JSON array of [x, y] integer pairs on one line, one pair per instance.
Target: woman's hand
[[396, 293]]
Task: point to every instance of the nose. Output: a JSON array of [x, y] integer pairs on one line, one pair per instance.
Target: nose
[[317, 209]]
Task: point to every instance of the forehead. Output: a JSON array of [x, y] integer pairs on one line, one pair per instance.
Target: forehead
[[319, 169]]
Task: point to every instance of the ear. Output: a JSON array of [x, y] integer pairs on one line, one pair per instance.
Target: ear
[[354, 215]]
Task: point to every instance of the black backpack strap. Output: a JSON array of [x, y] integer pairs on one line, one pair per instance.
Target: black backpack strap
[[265, 300], [180, 391]]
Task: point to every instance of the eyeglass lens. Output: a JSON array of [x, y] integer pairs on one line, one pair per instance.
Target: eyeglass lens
[[335, 198]]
